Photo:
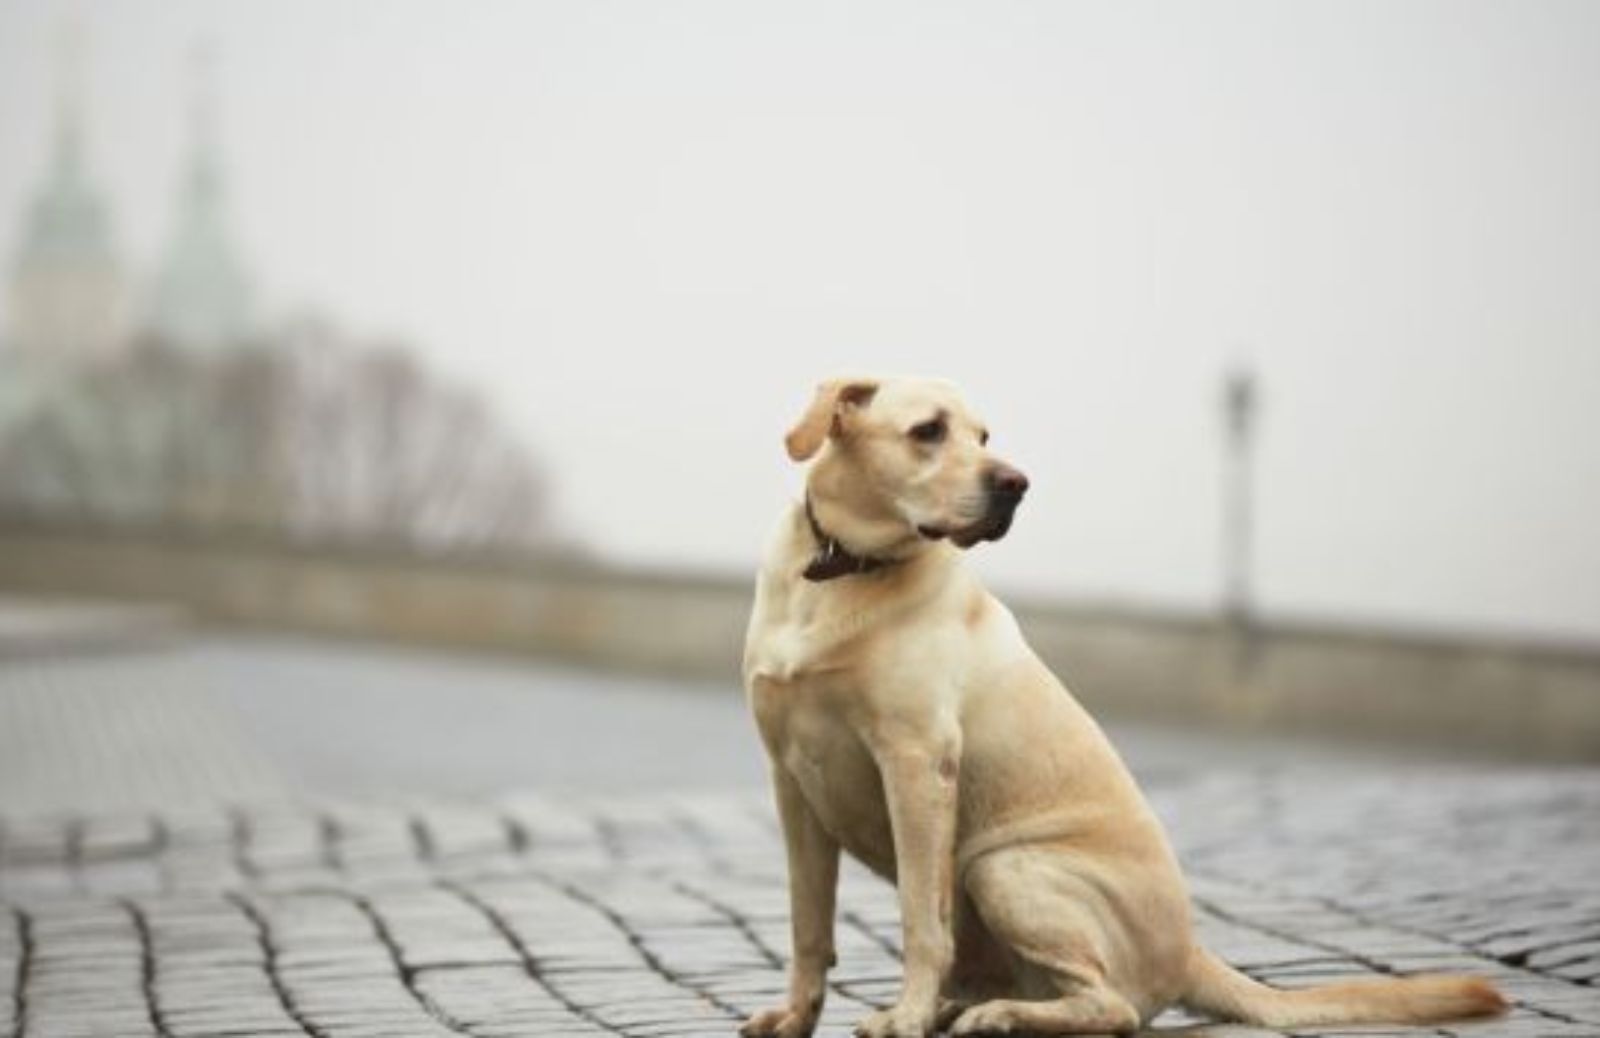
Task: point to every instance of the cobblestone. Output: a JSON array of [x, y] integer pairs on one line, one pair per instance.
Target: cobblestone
[[659, 915]]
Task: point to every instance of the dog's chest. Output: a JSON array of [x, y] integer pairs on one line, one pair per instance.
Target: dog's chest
[[834, 771], [796, 638]]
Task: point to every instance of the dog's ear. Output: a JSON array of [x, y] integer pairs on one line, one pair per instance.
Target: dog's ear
[[822, 419]]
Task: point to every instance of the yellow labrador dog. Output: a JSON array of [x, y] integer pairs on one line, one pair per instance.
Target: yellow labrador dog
[[909, 724]]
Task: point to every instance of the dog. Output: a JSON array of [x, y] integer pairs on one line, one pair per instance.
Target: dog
[[909, 724]]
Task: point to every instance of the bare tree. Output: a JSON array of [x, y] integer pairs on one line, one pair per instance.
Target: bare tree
[[310, 437]]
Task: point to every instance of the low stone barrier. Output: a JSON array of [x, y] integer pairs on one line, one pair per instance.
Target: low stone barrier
[[1516, 699]]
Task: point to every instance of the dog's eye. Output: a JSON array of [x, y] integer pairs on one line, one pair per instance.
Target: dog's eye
[[983, 437], [931, 431]]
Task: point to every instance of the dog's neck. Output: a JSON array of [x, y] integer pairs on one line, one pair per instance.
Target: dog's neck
[[833, 559]]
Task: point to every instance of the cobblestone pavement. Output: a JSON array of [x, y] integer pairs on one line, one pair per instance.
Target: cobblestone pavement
[[644, 913], [660, 915]]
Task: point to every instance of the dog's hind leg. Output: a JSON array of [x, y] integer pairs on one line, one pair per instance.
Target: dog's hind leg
[[1082, 1005], [1056, 945]]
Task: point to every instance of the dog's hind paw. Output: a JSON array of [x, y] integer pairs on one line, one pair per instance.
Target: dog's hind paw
[[897, 1021], [982, 1019]]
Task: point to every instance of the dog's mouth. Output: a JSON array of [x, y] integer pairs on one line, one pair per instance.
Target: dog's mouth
[[991, 527]]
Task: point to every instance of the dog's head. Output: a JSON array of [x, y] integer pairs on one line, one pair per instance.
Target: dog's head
[[905, 458]]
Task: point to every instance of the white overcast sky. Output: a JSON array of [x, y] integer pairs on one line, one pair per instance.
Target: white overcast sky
[[647, 228]]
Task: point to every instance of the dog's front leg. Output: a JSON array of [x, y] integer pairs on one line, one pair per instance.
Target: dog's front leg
[[813, 881], [919, 779]]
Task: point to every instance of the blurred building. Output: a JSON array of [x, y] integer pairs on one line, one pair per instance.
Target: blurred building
[[71, 304], [183, 411], [86, 409], [68, 294], [78, 317]]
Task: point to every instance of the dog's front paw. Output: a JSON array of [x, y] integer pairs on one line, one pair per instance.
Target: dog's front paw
[[898, 1021], [782, 1022]]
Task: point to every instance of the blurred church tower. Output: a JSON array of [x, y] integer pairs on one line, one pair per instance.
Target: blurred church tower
[[68, 296], [201, 300]]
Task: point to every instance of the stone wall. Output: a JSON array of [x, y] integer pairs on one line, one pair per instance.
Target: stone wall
[[1520, 700]]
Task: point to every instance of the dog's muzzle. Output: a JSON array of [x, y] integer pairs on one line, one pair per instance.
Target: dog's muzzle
[[1003, 488]]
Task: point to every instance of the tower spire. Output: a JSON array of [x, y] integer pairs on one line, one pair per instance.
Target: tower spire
[[202, 295], [68, 157], [205, 170], [66, 288]]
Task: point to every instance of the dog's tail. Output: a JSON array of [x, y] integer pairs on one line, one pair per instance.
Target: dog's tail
[[1217, 989]]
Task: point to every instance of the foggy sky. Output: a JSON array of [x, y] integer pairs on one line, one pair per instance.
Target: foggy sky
[[646, 229]]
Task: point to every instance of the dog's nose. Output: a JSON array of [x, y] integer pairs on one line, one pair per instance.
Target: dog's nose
[[1008, 481]]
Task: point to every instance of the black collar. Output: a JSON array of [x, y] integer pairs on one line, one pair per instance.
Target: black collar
[[832, 559]]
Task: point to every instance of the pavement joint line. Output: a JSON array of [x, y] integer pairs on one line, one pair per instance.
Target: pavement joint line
[[610, 838], [422, 838], [269, 964], [76, 827], [160, 842], [444, 967], [147, 968], [517, 837], [763, 818], [702, 840], [330, 842], [634, 938], [530, 962], [241, 834], [408, 976], [1554, 963], [19, 997], [846, 988], [853, 918]]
